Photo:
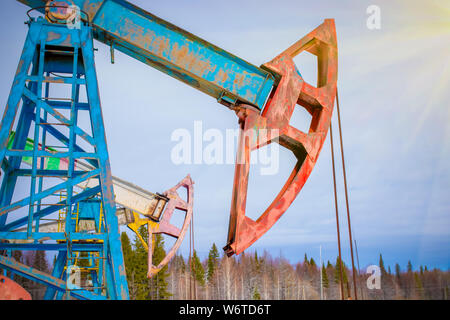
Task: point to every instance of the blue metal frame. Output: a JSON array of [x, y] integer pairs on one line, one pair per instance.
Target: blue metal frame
[[45, 51]]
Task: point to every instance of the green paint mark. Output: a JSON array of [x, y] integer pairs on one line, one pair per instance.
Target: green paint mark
[[50, 163]]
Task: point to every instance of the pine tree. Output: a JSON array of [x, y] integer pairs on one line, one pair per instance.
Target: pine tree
[[257, 262], [197, 268], [409, 267], [256, 295], [213, 261], [128, 256], [397, 271], [139, 266], [40, 261], [159, 283], [325, 281], [337, 276], [381, 264], [337, 272], [129, 260], [419, 286]]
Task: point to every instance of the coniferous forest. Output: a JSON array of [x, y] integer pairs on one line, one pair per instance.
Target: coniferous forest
[[263, 277], [254, 276]]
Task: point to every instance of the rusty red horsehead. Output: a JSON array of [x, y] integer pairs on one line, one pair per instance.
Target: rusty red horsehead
[[291, 91]]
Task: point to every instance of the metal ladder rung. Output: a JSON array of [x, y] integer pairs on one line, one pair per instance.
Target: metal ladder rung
[[54, 124], [57, 99], [49, 204], [56, 147], [60, 51]]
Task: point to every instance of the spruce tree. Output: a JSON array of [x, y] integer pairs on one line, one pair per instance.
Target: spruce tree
[[40, 261], [397, 271], [128, 257], [213, 260], [325, 281], [140, 266], [197, 269], [409, 266], [256, 295], [337, 273], [382, 268], [419, 286], [257, 262], [159, 281]]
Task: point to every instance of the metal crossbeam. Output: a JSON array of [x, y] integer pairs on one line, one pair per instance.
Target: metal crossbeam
[[49, 210], [48, 280]]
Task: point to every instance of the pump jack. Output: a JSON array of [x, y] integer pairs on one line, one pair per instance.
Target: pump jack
[[263, 98]]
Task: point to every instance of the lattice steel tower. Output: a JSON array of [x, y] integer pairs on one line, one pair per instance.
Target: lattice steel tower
[[44, 148]]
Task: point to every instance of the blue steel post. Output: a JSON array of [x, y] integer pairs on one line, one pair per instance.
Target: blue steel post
[[9, 180], [114, 252]]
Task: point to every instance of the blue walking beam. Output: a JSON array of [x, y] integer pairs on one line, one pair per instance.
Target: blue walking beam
[[174, 51]]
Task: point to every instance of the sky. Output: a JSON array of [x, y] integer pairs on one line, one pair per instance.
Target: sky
[[393, 87]]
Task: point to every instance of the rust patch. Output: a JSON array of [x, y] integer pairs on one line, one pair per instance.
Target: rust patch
[[91, 8], [51, 36], [221, 76], [19, 67], [196, 64]]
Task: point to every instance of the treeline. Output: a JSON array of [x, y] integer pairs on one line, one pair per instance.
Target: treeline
[[265, 277], [253, 276]]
